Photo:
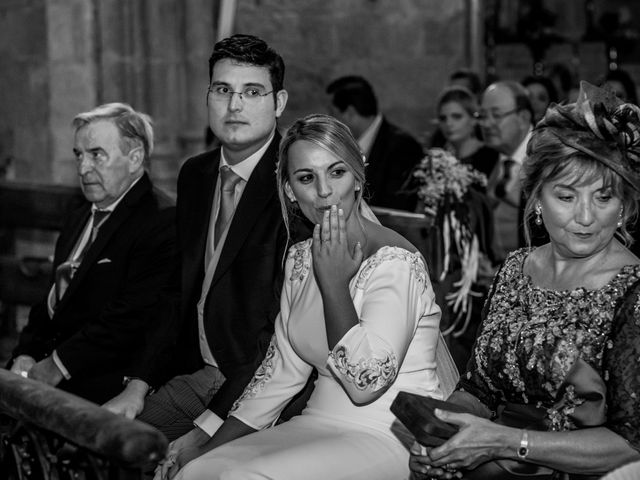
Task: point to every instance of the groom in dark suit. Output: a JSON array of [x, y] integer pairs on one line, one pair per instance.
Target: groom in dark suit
[[232, 240], [113, 258]]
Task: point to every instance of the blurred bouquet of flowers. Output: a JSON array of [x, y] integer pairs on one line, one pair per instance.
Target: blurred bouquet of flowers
[[443, 181], [442, 184]]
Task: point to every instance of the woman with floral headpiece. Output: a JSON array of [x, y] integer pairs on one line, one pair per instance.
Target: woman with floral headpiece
[[553, 387]]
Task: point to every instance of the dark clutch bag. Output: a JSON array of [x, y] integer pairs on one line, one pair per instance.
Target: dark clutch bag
[[416, 413]]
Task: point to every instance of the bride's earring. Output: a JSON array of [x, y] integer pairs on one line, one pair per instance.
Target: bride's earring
[[538, 218], [620, 220]]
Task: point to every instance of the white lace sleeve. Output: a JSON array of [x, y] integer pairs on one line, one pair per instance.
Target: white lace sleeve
[[367, 359], [281, 375]]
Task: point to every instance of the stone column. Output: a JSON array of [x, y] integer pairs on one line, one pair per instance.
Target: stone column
[[199, 40], [72, 78]]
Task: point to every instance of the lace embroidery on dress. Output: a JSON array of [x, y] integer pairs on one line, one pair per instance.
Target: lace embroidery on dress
[[532, 337], [301, 254], [391, 253], [260, 378], [372, 373]]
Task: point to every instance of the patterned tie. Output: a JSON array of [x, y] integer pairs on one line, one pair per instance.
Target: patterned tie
[[66, 270], [507, 174], [228, 182]]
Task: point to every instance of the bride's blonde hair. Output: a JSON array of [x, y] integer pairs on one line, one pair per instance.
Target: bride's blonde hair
[[330, 134]]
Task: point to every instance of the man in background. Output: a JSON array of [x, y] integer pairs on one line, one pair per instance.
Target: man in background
[[505, 118], [390, 152]]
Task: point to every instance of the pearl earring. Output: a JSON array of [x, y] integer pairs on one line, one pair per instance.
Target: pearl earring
[[538, 218], [357, 189]]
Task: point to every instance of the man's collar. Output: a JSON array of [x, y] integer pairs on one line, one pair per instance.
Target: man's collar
[[365, 141], [245, 168], [111, 207]]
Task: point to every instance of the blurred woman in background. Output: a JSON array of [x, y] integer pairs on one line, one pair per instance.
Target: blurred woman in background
[[542, 93], [457, 108]]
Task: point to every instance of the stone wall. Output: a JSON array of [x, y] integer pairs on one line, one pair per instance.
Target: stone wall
[[61, 57], [24, 88], [66, 56], [406, 48]]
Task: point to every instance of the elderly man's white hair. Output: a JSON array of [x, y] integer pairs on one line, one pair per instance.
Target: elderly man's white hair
[[135, 127]]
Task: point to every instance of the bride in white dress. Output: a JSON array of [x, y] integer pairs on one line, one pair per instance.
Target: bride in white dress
[[357, 305]]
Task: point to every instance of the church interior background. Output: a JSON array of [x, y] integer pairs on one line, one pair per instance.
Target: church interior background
[[61, 57]]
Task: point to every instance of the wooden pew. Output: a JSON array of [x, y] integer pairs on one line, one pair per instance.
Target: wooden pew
[[420, 230], [46, 433]]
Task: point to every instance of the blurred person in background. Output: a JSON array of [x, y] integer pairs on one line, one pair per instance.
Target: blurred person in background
[[542, 92], [390, 152], [622, 85]]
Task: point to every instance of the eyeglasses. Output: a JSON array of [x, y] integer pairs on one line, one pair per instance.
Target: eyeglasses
[[221, 93], [485, 115]]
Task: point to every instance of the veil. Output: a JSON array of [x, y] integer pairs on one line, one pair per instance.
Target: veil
[[446, 369]]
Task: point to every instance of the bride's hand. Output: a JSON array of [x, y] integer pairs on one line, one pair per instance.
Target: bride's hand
[[333, 262]]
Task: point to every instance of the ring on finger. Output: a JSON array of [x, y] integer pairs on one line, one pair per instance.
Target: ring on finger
[[450, 467]]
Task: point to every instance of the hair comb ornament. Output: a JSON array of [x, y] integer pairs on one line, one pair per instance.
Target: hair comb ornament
[[601, 126]]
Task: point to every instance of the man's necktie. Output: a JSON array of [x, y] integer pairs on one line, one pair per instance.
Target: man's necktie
[[66, 270], [228, 182], [507, 175]]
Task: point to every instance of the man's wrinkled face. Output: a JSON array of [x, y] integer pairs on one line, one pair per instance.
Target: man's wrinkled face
[[105, 171]]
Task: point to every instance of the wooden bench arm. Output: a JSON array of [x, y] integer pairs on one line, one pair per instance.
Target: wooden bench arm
[[128, 443]]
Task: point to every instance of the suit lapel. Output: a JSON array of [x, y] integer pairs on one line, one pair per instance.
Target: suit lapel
[[71, 233], [107, 230], [196, 221], [378, 143], [259, 190], [375, 161]]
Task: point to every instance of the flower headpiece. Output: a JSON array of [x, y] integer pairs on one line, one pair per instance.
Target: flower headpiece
[[601, 126]]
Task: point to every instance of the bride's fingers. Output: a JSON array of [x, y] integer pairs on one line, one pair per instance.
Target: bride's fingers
[[342, 228], [334, 224], [316, 236], [325, 232]]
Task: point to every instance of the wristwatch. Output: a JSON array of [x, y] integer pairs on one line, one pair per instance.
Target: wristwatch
[[523, 449], [127, 380]]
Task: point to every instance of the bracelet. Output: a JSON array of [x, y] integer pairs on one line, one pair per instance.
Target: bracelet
[[523, 450]]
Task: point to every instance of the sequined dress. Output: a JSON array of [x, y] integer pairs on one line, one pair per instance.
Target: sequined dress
[[533, 341], [393, 347]]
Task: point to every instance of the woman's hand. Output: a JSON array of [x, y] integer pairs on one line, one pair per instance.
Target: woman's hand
[[182, 458], [333, 263], [180, 452], [478, 441], [421, 465]]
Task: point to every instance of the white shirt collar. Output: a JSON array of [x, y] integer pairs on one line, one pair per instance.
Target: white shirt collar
[[245, 168], [111, 207], [369, 135]]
